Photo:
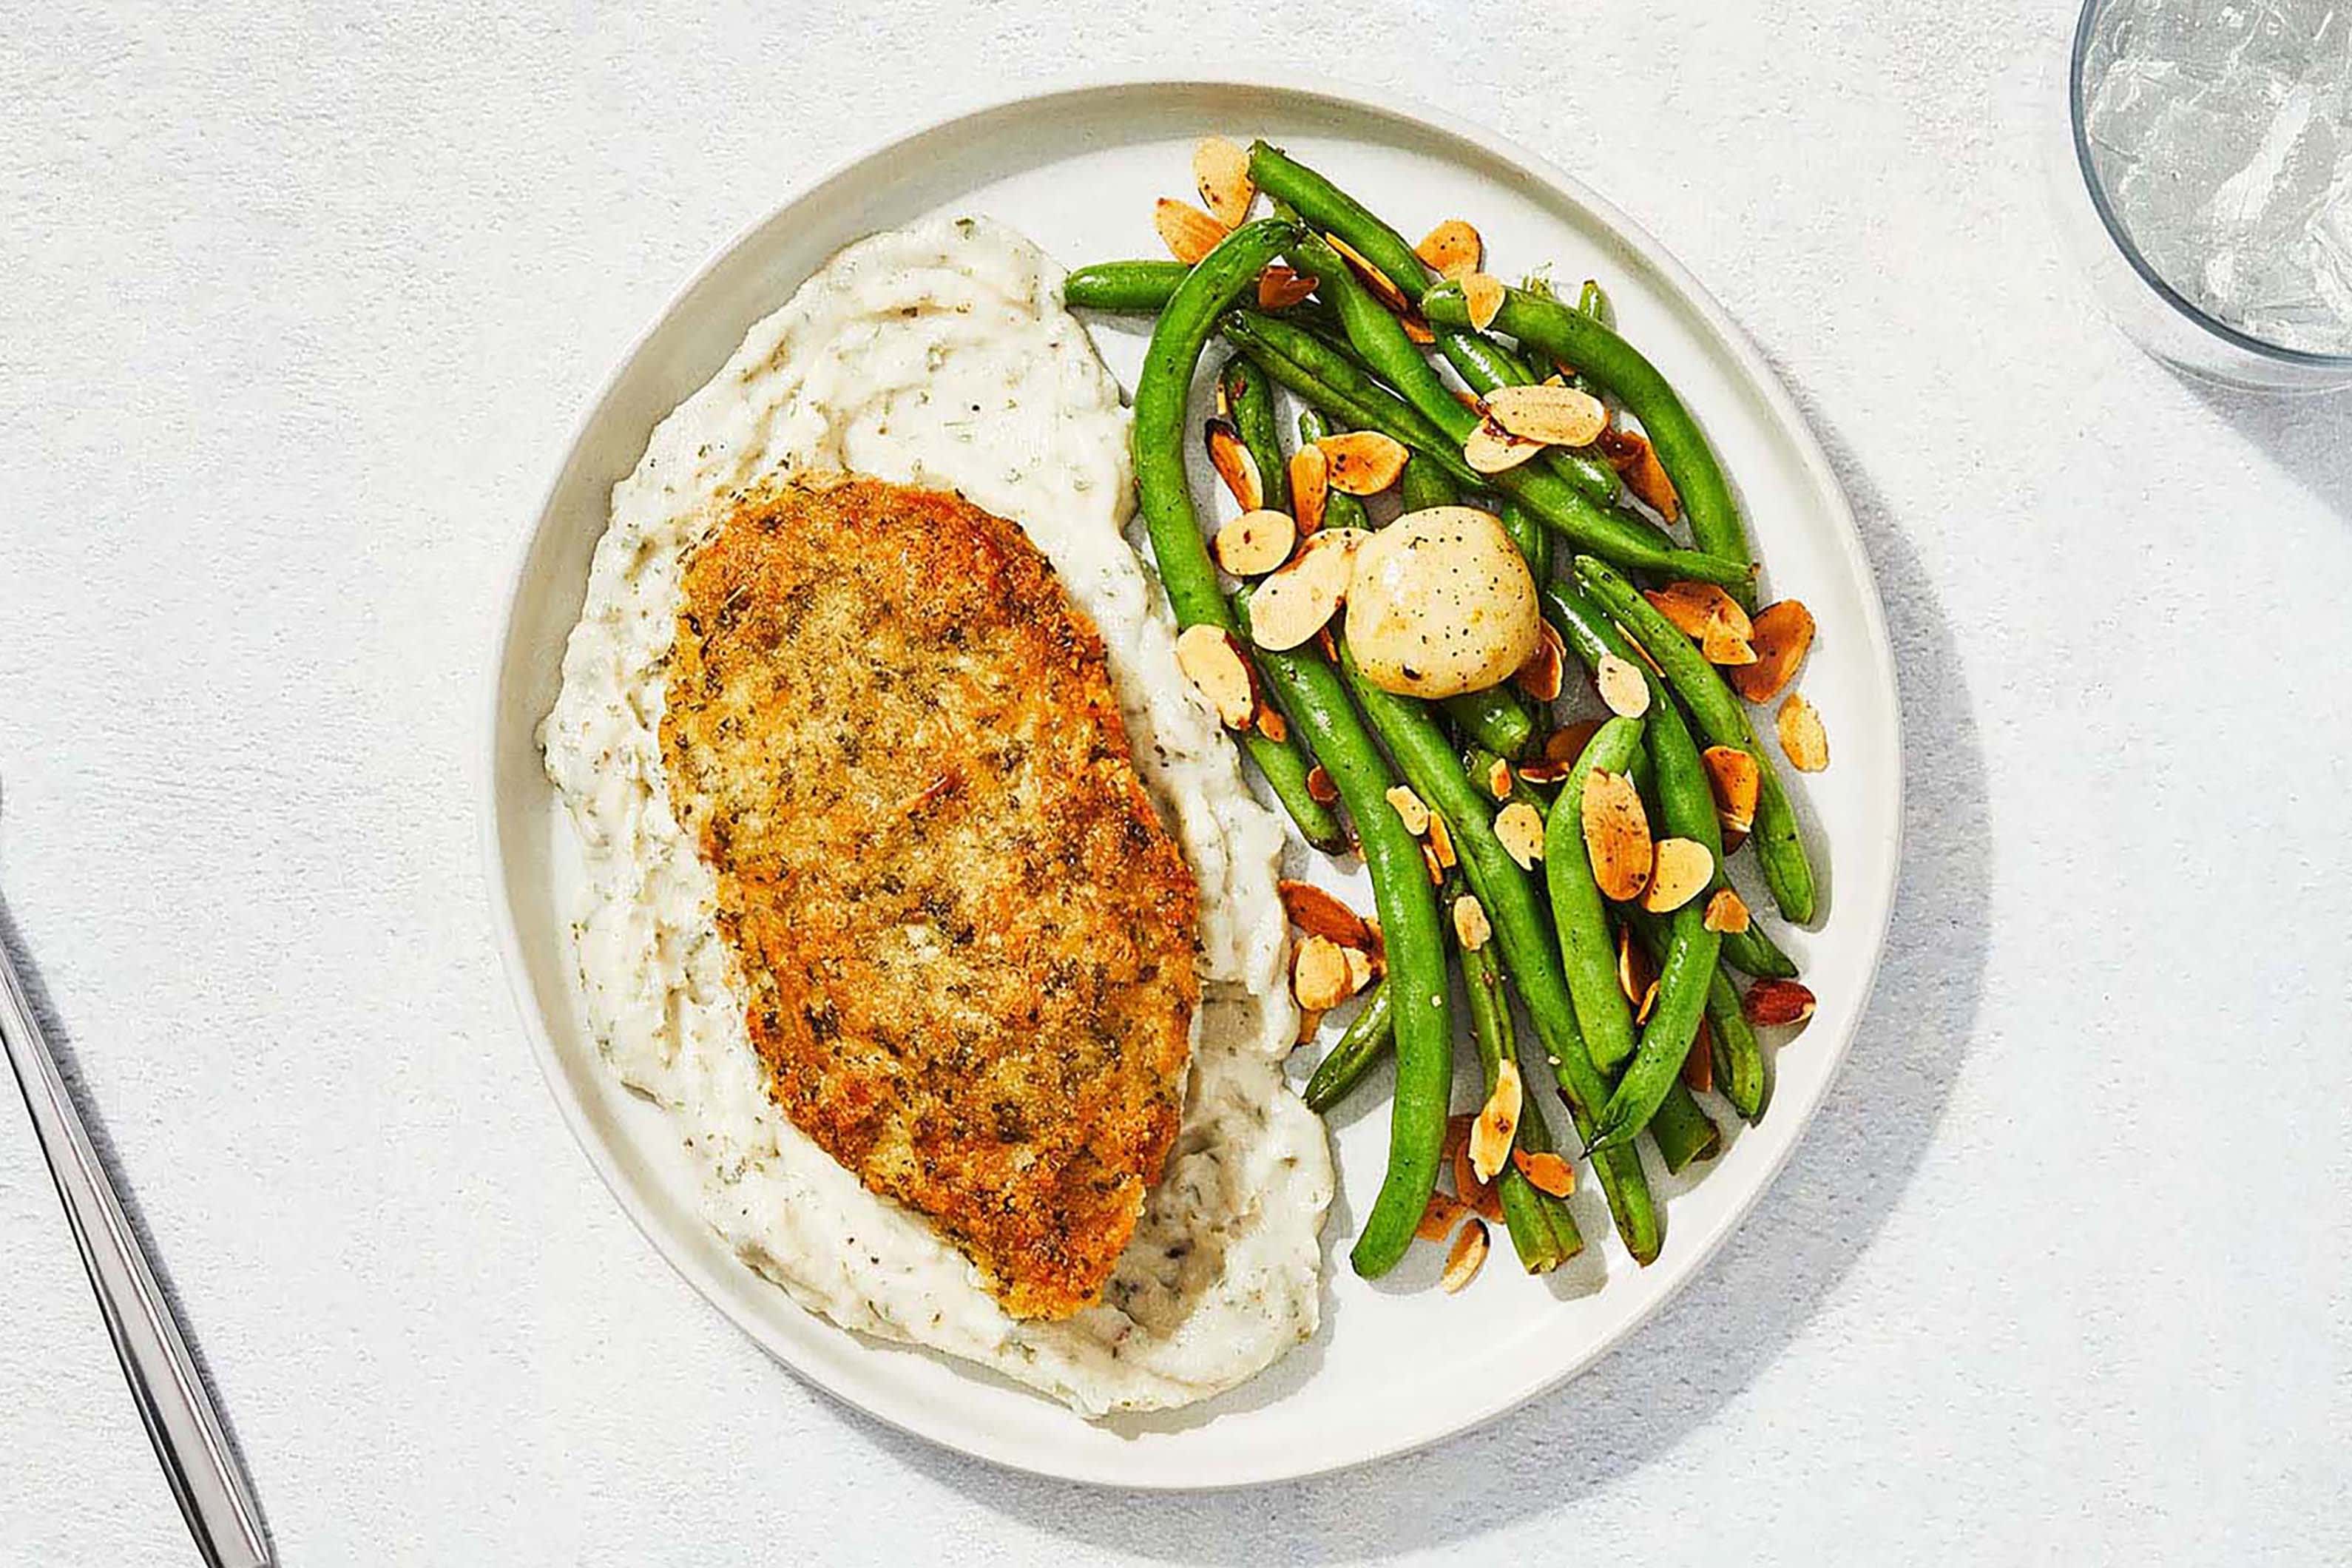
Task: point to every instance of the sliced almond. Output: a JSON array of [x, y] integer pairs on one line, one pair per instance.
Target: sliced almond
[[1622, 685], [1409, 809], [1520, 828], [1498, 1123], [1437, 1221], [1362, 967], [1212, 660], [1681, 870], [1382, 286], [1235, 463], [1629, 452], [1736, 779], [1481, 298], [1781, 634], [1802, 736], [1429, 859], [1189, 233], [1637, 977], [1556, 415], [1441, 842], [1775, 1003], [1451, 248], [1616, 835], [1465, 1256], [1292, 605], [1221, 173], [1310, 487], [1319, 787], [1546, 1173], [1491, 449], [1726, 912], [1541, 676], [1544, 772], [1318, 974], [1698, 1062], [1417, 329], [1255, 543], [1479, 1195], [1310, 1022], [1471, 927], [1279, 287], [1498, 779], [1721, 647], [1567, 743], [1711, 618], [1272, 724], [1363, 462], [1319, 913]]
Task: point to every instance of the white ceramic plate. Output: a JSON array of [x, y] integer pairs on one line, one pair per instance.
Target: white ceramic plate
[[1396, 1363]]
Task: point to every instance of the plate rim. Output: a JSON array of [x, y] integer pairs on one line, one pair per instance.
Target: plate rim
[[1317, 89]]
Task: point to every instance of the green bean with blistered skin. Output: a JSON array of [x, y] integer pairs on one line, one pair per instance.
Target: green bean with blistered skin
[[1314, 695], [1722, 718], [1507, 892], [1340, 510], [1164, 493], [1569, 335], [1248, 398], [1528, 1213], [1365, 1040]]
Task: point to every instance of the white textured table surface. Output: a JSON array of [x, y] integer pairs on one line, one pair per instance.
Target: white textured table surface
[[298, 310]]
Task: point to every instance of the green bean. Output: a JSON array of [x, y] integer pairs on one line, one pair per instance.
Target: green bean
[[1340, 510], [1579, 914], [1738, 1057], [1330, 209], [1496, 717], [1593, 300], [1526, 1212], [1317, 701], [1723, 720], [1249, 403], [1535, 1136], [1507, 892], [1590, 635], [1128, 287], [1364, 1041], [1425, 485], [1379, 338], [1683, 1131], [1548, 327], [1165, 495], [1485, 365], [1533, 539], [1329, 377]]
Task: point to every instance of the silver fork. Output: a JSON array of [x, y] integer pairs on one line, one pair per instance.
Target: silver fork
[[213, 1495]]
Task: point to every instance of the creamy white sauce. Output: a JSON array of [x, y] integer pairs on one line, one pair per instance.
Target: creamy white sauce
[[942, 356]]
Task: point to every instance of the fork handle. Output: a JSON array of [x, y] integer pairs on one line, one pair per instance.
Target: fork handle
[[213, 1493]]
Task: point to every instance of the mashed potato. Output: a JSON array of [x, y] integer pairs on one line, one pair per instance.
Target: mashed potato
[[942, 356]]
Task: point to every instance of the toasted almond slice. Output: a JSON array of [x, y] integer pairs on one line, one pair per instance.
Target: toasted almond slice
[[1465, 1256], [1629, 452], [1471, 927], [1622, 685], [1272, 724], [1310, 486], [1231, 457], [1212, 660], [1636, 977], [1279, 287], [1708, 616], [1736, 779], [1721, 647], [1481, 1196], [1498, 779], [1556, 415], [1437, 1221], [1310, 1022], [1775, 1003], [1319, 787], [1189, 233], [1616, 835], [1409, 809], [1361, 968], [1441, 842], [1221, 173], [1319, 913], [1726, 912], [1520, 828], [1541, 676], [1546, 1173], [1437, 871], [1698, 1062], [1363, 462], [1781, 634], [1802, 736], [1451, 248], [1292, 605], [1567, 743], [1491, 449], [1482, 297], [1732, 840], [1318, 974], [1544, 772], [1498, 1123], [1255, 543], [1383, 288], [1417, 329], [1681, 870]]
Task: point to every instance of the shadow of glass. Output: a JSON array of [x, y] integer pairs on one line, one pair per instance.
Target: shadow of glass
[[2308, 436], [1713, 1339]]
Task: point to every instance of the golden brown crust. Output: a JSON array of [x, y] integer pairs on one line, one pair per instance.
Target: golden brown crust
[[966, 936]]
